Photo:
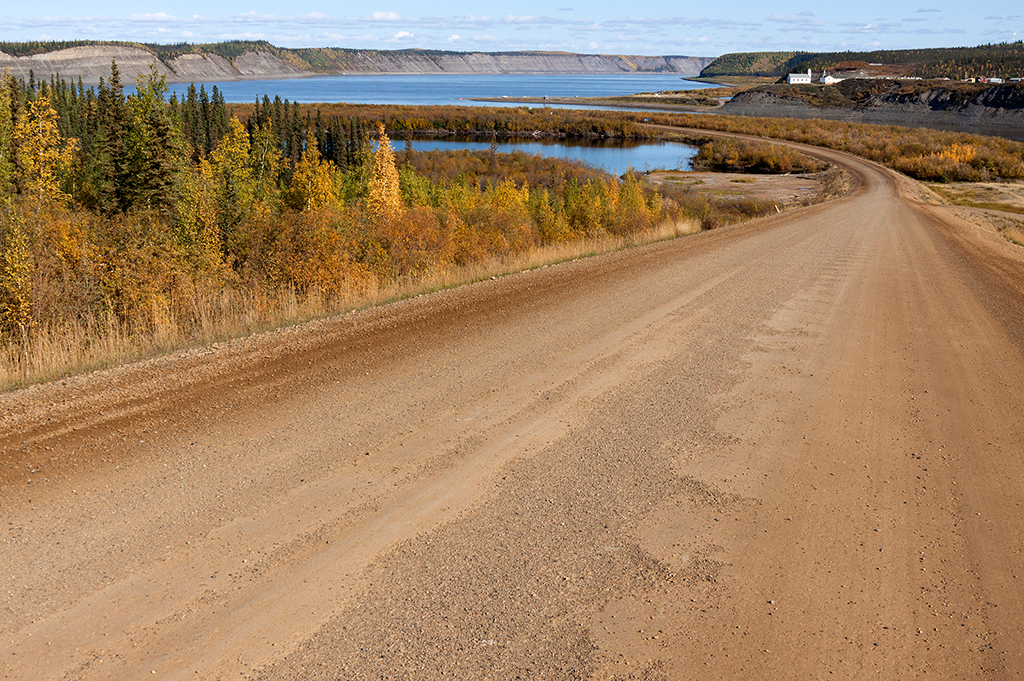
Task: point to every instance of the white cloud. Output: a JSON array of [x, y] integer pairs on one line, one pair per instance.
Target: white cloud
[[385, 16], [454, 38], [158, 16], [800, 19]]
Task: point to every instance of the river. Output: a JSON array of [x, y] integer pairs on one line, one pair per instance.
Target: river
[[443, 89]]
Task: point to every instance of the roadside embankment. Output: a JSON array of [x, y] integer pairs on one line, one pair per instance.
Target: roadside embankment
[[888, 102]]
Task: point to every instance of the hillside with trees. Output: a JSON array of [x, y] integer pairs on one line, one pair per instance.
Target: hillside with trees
[[1002, 60]]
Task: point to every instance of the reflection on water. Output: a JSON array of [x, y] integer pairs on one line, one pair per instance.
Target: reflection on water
[[613, 156]]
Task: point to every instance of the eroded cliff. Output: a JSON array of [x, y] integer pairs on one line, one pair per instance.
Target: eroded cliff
[[92, 62]]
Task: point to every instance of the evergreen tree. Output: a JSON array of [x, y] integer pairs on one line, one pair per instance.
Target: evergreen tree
[[204, 121], [218, 123], [384, 202], [106, 166], [153, 146]]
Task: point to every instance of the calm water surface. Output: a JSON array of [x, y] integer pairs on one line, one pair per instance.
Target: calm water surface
[[442, 89], [613, 157]]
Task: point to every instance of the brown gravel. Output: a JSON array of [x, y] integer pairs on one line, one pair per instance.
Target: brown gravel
[[784, 190], [787, 449]]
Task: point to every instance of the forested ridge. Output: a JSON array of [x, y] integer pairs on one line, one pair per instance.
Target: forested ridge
[[1004, 60]]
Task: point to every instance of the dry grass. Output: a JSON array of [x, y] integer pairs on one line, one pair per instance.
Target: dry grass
[[57, 352], [1004, 197], [1014, 233], [1007, 196]]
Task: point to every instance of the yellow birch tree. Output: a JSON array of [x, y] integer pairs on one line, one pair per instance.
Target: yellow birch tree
[[6, 137], [312, 184], [16, 267], [41, 155]]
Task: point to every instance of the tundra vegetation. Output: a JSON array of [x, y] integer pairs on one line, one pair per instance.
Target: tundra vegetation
[[132, 224]]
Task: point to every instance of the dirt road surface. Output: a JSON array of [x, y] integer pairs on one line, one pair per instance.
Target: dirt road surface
[[788, 449]]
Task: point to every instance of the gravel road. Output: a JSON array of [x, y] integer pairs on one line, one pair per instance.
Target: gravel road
[[787, 449]]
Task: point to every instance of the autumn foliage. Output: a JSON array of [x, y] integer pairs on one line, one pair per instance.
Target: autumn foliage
[[162, 218]]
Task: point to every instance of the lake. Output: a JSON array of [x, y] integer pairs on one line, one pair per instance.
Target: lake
[[442, 89], [614, 156]]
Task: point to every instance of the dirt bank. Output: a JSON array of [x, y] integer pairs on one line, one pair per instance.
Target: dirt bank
[[959, 105]]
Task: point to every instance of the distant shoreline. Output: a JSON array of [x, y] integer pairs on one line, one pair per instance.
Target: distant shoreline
[[617, 102]]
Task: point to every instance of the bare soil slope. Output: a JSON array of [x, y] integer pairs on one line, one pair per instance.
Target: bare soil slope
[[790, 449]]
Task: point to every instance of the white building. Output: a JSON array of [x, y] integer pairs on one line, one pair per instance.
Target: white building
[[798, 78]]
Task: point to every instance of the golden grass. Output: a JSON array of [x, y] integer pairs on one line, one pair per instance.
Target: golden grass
[[57, 352]]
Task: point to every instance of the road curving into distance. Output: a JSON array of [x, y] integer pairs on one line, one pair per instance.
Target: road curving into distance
[[786, 449]]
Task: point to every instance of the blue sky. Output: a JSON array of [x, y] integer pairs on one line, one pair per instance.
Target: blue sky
[[594, 26]]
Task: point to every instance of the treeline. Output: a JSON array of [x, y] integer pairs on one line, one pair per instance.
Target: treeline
[[765, 64], [1003, 60], [139, 217], [230, 49], [27, 49], [434, 121]]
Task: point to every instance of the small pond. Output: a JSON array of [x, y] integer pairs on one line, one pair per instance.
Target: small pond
[[615, 156]]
